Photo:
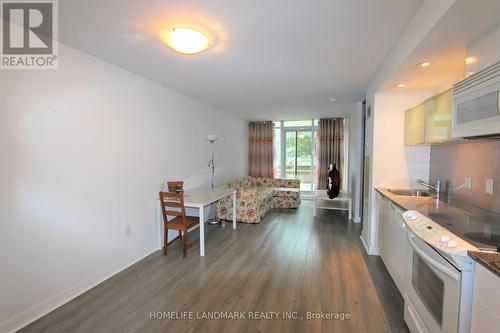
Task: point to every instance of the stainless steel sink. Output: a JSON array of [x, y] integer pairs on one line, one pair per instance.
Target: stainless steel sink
[[411, 193]]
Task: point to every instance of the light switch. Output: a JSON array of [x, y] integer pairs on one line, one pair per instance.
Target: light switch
[[488, 188]]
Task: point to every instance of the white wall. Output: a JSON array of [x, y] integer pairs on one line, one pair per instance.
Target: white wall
[[395, 165], [367, 175], [84, 150], [427, 16], [392, 164], [355, 160]]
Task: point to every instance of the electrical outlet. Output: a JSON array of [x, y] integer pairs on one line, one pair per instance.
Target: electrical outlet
[[128, 229], [488, 186], [468, 182]]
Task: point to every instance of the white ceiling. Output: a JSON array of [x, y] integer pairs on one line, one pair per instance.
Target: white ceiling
[[275, 59], [445, 46]]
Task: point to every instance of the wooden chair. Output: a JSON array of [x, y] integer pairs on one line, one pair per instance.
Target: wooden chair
[[175, 186], [172, 204]]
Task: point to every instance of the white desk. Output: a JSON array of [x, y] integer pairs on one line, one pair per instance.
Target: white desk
[[341, 202], [201, 197]]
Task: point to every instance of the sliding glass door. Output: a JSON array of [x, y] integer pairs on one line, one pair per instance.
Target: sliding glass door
[[298, 152], [290, 155], [295, 152]]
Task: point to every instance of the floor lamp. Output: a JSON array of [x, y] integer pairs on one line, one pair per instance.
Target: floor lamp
[[211, 165]]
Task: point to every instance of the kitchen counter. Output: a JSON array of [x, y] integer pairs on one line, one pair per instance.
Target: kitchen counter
[[489, 260], [431, 208]]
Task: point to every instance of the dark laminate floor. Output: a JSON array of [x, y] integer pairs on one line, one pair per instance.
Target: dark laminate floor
[[289, 262]]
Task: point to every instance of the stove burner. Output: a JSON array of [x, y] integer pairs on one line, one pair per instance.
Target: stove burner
[[493, 240]]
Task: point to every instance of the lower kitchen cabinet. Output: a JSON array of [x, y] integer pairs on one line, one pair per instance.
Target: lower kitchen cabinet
[[485, 301], [392, 240]]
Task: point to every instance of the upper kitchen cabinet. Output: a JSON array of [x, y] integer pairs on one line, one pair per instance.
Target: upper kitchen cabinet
[[438, 118], [415, 125], [429, 122]]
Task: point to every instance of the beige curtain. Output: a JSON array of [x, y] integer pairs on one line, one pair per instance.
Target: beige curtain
[[261, 149], [330, 148]]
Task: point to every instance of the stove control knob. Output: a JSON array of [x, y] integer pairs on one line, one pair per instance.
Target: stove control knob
[[445, 239], [452, 244]]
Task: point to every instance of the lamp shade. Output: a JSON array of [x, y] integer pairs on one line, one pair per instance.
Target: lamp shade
[[186, 40], [212, 138]]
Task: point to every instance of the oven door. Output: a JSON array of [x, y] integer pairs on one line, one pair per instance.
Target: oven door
[[432, 289]]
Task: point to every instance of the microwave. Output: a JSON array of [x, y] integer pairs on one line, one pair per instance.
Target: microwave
[[476, 104]]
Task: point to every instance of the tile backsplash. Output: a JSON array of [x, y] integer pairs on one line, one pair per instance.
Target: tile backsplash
[[480, 160]]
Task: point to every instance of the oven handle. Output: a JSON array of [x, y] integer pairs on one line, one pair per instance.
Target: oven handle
[[432, 261]]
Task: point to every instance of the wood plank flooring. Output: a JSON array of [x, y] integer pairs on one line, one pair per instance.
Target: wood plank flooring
[[291, 262]]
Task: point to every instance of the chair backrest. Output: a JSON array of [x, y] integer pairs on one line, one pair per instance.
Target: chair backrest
[[175, 186], [172, 204]]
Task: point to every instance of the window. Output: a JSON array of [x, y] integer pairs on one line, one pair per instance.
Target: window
[[295, 151], [295, 144], [297, 123]]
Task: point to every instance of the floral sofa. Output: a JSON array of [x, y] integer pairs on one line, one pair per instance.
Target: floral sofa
[[255, 197]]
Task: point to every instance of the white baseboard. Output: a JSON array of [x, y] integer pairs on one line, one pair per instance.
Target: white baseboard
[[373, 251], [356, 219], [36, 312]]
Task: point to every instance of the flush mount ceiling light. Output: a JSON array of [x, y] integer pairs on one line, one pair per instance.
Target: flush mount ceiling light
[[333, 99], [470, 60], [186, 40], [401, 85], [424, 64]]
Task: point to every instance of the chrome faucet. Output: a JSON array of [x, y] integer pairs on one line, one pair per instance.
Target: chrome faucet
[[436, 187]]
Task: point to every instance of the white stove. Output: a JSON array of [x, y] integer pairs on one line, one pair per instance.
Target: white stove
[[449, 245], [438, 277]]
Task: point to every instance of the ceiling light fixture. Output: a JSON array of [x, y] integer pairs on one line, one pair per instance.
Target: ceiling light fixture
[[401, 85], [186, 40], [424, 64], [333, 99], [470, 60]]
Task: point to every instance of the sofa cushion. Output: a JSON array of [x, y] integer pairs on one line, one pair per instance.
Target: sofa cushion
[[264, 194], [234, 184], [285, 192], [283, 202], [246, 193], [273, 182]]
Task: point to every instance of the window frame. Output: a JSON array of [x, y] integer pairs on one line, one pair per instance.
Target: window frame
[[280, 125]]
